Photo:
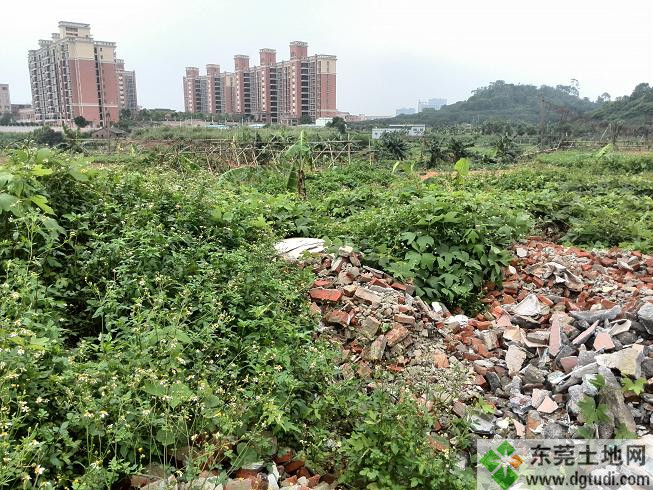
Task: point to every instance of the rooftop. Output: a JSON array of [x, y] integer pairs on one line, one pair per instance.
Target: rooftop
[[64, 23]]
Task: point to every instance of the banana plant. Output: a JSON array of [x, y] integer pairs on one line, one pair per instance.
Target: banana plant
[[300, 156], [461, 168]]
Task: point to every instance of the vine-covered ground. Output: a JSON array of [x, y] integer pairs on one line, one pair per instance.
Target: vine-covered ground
[[146, 320]]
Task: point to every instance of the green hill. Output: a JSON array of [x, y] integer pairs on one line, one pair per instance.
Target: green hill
[[635, 109], [504, 101]]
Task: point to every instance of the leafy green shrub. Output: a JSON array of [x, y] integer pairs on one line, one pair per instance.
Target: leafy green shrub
[[142, 309], [601, 209], [148, 322], [389, 449], [609, 161], [47, 136], [450, 242]]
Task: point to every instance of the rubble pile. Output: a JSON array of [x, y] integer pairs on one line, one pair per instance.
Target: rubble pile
[[567, 326], [378, 320], [286, 471]]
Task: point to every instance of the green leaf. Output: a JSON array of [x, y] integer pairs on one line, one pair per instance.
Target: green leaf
[[585, 432], [181, 336], [41, 202], [636, 386], [602, 413], [5, 177], [588, 408], [39, 171], [7, 201], [38, 343], [462, 167], [427, 260], [179, 393], [78, 173], [165, 437], [51, 224], [258, 222], [423, 241], [246, 454], [622, 432], [409, 236], [598, 381], [43, 155], [155, 389], [22, 156]]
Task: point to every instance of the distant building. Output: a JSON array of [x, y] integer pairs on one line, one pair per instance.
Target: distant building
[[73, 75], [404, 111], [430, 104], [287, 92], [321, 122], [5, 99], [412, 130], [16, 108], [126, 87], [23, 113], [360, 117], [196, 91], [107, 133]]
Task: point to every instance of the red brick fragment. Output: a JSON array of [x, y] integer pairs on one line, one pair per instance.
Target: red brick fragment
[[293, 466], [440, 360], [320, 294], [323, 283], [338, 317], [396, 335], [379, 282], [313, 481]]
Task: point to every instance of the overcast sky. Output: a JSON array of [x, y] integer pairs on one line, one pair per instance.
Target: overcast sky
[[390, 53]]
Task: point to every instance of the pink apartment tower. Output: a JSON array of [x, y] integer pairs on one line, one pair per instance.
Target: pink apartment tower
[[302, 88], [73, 75]]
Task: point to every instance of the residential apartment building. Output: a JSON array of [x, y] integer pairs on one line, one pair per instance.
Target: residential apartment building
[[434, 104], [302, 88], [73, 75], [5, 99], [23, 113], [403, 111], [126, 87]]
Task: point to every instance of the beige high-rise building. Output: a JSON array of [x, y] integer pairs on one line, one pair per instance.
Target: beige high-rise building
[[302, 88], [5, 99], [73, 75]]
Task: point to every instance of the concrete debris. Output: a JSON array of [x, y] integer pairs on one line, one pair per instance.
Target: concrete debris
[[295, 248], [515, 358], [562, 275], [562, 315], [645, 316], [627, 361], [529, 306], [595, 316]]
